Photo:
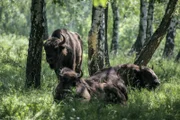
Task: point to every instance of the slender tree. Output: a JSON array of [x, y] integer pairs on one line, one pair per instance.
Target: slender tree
[[169, 45], [37, 35], [137, 46], [146, 54], [116, 18], [178, 57], [97, 40], [103, 57], [150, 18], [97, 17], [101, 41], [45, 24], [107, 63], [1, 8]]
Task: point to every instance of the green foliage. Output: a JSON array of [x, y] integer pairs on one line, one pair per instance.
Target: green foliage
[[14, 17], [12, 60], [72, 15], [100, 3], [21, 104]]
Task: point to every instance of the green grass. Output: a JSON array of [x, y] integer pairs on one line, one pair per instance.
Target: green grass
[[17, 103]]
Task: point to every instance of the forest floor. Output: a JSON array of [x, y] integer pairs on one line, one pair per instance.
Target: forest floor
[[18, 103]]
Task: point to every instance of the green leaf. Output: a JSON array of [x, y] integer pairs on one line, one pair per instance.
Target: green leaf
[[102, 3]]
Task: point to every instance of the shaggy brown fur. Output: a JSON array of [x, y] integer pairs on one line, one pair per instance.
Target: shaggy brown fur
[[132, 75], [109, 80], [64, 49], [138, 76], [111, 89]]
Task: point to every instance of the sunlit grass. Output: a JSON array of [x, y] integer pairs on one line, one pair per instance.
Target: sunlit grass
[[16, 103]]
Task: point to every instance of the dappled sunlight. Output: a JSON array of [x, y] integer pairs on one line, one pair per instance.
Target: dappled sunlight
[[18, 103]]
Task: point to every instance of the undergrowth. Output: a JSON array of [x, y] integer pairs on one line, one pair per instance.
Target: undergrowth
[[18, 103]]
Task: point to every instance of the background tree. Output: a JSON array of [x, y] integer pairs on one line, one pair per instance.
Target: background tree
[[15, 103], [93, 52], [171, 33], [137, 46], [115, 34], [103, 57], [10, 13], [107, 63], [178, 57], [149, 49], [37, 34], [150, 18]]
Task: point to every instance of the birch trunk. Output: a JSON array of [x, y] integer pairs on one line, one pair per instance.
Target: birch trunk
[[148, 50], [171, 33], [142, 29], [178, 57], [115, 36], [101, 43], [107, 63], [150, 18], [97, 14], [37, 34]]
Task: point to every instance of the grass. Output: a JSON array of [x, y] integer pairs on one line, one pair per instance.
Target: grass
[[17, 103]]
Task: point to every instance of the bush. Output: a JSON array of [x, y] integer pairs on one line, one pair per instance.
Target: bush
[[18, 103]]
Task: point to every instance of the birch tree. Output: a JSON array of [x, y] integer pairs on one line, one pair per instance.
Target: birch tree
[[147, 52], [137, 46], [37, 35], [97, 17], [150, 18], [115, 35], [171, 33], [178, 57], [103, 56]]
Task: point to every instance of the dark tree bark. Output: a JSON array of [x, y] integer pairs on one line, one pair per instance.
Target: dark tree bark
[[1, 8], [97, 16], [37, 35], [178, 57], [45, 23], [101, 43], [171, 33], [97, 43], [115, 36], [137, 46], [107, 63], [150, 18], [146, 54]]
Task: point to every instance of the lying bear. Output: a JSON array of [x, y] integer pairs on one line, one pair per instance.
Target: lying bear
[[109, 89]]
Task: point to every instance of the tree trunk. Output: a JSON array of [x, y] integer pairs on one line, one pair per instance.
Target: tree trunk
[[142, 29], [146, 54], [37, 34], [1, 10], [150, 18], [169, 45], [107, 63], [101, 43], [178, 57], [97, 14], [115, 36], [45, 23]]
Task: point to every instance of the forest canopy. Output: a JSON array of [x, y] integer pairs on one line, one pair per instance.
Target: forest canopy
[[118, 31]]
